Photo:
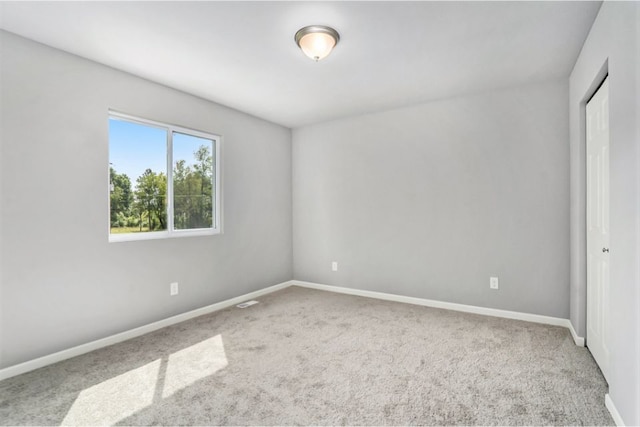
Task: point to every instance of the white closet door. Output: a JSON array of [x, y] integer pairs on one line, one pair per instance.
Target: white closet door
[[598, 227]]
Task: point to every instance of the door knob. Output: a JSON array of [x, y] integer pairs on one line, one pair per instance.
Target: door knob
[[605, 249]]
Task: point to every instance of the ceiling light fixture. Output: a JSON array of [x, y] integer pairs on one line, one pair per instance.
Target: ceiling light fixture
[[317, 41]]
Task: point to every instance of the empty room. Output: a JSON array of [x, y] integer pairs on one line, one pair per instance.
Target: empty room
[[320, 213]]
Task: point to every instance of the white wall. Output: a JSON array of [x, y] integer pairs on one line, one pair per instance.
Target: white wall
[[637, 310], [62, 283], [612, 44], [429, 201]]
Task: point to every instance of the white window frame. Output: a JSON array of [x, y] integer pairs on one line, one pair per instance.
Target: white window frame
[[217, 187]]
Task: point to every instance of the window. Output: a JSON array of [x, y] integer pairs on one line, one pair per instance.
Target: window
[[163, 180]]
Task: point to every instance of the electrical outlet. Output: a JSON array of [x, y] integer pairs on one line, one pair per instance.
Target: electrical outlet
[[493, 283], [334, 266], [173, 289]]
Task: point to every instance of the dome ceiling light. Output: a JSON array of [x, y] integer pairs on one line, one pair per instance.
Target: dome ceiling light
[[317, 41]]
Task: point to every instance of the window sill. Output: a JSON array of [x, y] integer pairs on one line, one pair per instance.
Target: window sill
[[155, 235]]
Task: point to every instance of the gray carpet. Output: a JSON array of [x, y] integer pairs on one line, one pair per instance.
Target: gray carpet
[[310, 357]]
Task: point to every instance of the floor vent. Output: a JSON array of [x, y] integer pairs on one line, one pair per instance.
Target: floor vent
[[246, 304]]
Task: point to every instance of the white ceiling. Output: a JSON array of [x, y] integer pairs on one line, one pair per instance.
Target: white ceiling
[[391, 54]]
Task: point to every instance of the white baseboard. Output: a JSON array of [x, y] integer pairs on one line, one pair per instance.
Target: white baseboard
[[123, 336], [31, 365], [536, 318], [577, 339], [613, 411]]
